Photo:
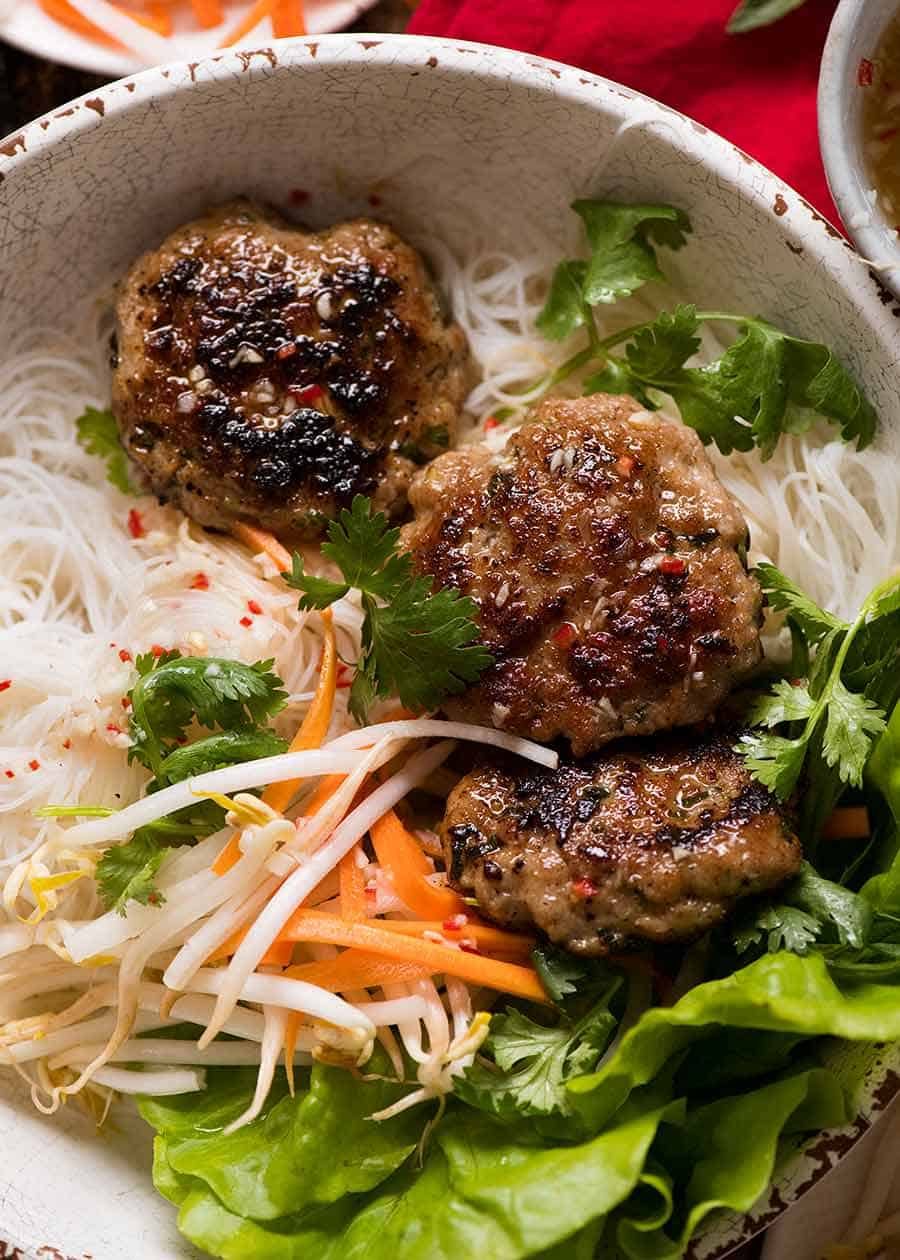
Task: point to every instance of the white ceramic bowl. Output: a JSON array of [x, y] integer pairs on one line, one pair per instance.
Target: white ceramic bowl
[[853, 38], [463, 141]]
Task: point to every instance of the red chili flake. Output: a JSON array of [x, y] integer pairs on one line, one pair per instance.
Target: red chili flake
[[565, 634], [491, 423], [156, 650], [344, 675], [865, 73], [455, 923], [298, 196], [887, 135], [135, 524], [468, 946], [625, 465], [307, 393], [124, 655], [5, 684], [374, 199], [662, 644], [584, 888], [674, 566], [34, 765], [67, 743], [246, 621], [126, 703], [10, 774], [254, 607], [113, 729], [286, 351], [200, 582]]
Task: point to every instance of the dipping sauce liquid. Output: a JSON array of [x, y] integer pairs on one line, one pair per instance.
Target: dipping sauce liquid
[[879, 80]]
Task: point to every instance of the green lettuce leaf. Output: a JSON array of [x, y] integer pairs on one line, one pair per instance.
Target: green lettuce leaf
[[779, 992]]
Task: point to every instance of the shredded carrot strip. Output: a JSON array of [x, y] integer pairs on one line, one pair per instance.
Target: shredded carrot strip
[[253, 17], [63, 12], [314, 727], [851, 822], [261, 540], [277, 955], [287, 18], [229, 855], [353, 887], [291, 1029], [355, 969], [159, 12], [312, 925], [494, 940], [406, 866], [207, 12]]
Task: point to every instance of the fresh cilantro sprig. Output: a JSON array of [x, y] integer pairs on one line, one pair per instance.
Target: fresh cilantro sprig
[[416, 643], [172, 696], [528, 1058], [810, 909], [765, 384], [98, 433], [822, 727], [174, 691]]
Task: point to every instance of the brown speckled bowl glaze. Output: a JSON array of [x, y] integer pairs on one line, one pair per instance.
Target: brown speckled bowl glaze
[[453, 140]]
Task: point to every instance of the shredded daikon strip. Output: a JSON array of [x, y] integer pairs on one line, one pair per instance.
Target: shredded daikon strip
[[290, 995], [430, 728], [240, 778]]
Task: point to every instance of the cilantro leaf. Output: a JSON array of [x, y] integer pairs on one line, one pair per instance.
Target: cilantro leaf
[[774, 760], [421, 646], [98, 433], [533, 1061], [562, 974], [418, 643], [622, 256], [565, 308], [812, 909], [784, 703], [852, 722], [764, 384], [364, 548], [832, 721], [127, 872], [659, 350], [785, 596], [172, 694], [751, 14], [318, 592], [210, 690]]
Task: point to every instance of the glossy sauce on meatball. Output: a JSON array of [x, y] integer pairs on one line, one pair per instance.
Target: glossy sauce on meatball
[[650, 843], [607, 563], [269, 374]]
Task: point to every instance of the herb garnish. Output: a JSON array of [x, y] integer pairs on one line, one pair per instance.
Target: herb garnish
[[766, 383], [829, 719], [172, 694], [415, 643], [98, 433]]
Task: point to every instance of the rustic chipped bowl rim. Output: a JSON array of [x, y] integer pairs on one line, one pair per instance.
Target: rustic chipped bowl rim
[[802, 229], [853, 38]]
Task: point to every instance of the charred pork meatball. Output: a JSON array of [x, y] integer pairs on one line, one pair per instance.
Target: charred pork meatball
[[607, 563], [645, 844], [270, 374]]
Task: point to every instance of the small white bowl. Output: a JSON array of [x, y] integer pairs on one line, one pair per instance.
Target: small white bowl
[[854, 36]]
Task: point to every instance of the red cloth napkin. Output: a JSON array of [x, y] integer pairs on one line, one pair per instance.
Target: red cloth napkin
[[757, 89]]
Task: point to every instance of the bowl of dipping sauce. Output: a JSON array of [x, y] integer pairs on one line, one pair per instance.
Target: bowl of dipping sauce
[[859, 127]]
